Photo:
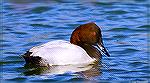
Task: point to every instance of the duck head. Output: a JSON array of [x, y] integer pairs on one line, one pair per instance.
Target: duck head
[[89, 37]]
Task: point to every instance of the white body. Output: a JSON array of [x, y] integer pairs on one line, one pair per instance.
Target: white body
[[60, 52]]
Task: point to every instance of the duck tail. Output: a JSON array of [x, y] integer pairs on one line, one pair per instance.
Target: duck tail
[[34, 61]]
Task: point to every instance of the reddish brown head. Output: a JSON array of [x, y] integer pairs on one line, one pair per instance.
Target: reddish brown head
[[88, 35]]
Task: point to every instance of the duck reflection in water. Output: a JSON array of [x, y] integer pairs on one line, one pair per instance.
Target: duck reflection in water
[[85, 71]]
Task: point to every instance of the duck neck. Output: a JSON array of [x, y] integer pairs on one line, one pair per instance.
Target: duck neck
[[91, 51]]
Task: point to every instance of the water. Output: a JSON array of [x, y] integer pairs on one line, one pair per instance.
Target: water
[[124, 25]]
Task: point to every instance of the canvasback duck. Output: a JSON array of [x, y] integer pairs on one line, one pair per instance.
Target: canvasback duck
[[85, 47]]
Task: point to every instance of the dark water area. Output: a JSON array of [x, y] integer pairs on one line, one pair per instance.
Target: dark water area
[[124, 25]]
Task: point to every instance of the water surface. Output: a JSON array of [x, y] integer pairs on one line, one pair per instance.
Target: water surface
[[124, 25]]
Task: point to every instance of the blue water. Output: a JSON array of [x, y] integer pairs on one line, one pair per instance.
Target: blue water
[[124, 25]]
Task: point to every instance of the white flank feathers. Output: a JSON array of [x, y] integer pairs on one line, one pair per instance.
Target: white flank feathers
[[60, 52]]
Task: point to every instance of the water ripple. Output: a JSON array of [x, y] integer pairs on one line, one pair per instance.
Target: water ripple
[[41, 25], [38, 10], [117, 12]]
